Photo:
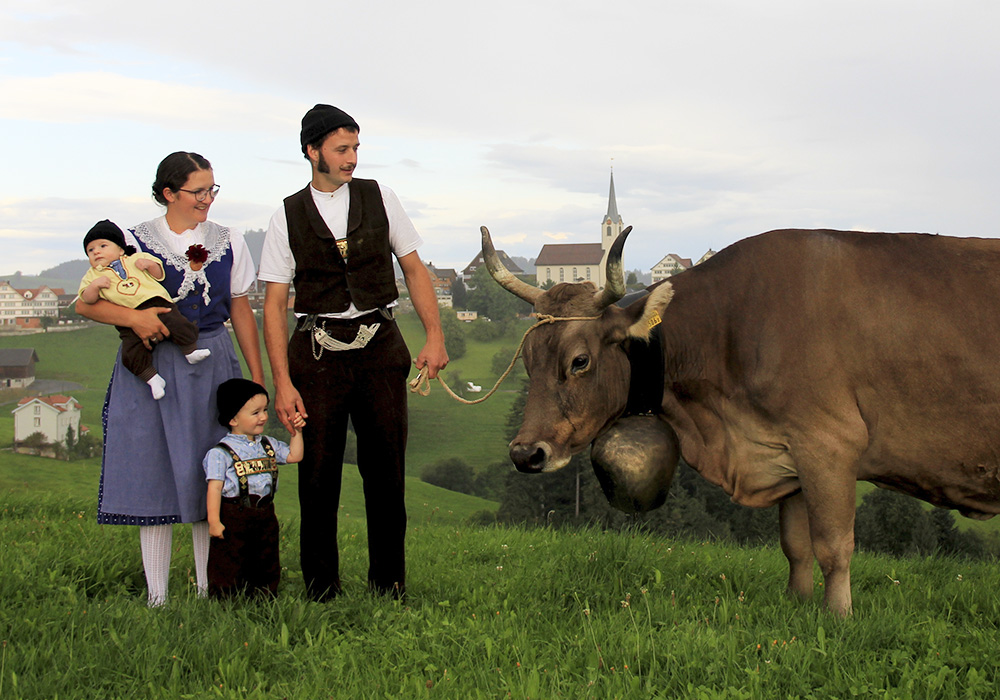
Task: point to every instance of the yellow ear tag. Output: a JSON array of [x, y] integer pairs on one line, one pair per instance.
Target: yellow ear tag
[[653, 321]]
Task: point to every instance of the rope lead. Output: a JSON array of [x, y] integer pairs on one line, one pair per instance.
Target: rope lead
[[421, 384]]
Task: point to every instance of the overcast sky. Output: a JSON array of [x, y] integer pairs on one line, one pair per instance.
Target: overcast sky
[[722, 119]]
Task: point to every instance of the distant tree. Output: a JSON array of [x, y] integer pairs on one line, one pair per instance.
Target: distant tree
[[453, 378], [953, 541], [484, 330], [36, 439], [631, 280], [452, 474], [501, 361], [70, 314], [489, 481], [70, 436], [85, 447], [893, 523], [493, 301], [454, 334], [46, 322], [459, 294]]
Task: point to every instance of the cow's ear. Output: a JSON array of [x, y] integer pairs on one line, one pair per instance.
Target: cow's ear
[[646, 313]]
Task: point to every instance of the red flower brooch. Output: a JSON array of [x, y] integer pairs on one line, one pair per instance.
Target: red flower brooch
[[197, 255]]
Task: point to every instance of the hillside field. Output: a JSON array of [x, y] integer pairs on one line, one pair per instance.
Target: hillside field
[[491, 612]]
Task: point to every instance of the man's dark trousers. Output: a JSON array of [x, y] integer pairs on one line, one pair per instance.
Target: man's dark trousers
[[369, 386]]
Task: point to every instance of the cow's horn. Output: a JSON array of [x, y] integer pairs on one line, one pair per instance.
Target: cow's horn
[[614, 286], [503, 276]]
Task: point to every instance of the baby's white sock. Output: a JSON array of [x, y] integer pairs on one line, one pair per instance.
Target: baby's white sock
[[157, 384], [196, 356]]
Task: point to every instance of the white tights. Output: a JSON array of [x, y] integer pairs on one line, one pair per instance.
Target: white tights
[[155, 541]]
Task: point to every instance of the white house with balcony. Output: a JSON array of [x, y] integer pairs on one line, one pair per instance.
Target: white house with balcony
[[52, 416]]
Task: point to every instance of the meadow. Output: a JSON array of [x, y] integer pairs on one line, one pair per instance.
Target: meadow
[[440, 427], [491, 612]]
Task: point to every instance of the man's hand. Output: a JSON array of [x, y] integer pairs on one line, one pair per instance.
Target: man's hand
[[289, 407], [433, 357]]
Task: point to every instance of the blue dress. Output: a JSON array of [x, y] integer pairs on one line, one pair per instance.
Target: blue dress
[[153, 449]]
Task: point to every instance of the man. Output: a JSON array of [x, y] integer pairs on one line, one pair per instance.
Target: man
[[346, 358]]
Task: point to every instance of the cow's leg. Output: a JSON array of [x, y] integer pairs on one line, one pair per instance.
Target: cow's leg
[[831, 526], [793, 517]]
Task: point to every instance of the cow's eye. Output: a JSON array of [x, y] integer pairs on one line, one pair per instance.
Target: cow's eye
[[580, 363]]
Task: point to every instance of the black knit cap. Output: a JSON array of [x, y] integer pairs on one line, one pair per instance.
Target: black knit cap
[[233, 395], [107, 231], [321, 120]]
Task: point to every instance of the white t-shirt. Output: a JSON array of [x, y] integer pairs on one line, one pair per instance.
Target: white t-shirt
[[277, 264], [242, 276]]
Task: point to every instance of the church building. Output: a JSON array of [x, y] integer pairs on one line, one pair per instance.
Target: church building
[[581, 262]]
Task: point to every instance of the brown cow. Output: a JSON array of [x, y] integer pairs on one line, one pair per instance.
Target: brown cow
[[795, 364]]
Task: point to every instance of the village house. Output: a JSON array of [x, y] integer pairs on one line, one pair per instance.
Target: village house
[[26, 307], [672, 263], [17, 367], [477, 262], [52, 416], [442, 279]]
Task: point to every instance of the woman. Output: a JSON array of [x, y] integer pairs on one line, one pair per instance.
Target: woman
[[151, 474]]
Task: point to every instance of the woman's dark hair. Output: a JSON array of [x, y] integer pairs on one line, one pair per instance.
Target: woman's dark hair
[[174, 171]]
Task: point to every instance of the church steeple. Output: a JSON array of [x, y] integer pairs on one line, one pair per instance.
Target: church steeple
[[612, 202], [612, 224]]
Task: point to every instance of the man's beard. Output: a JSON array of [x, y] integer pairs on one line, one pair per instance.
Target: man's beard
[[322, 165]]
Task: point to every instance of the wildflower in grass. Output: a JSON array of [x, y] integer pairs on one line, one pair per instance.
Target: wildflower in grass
[[503, 546], [722, 576], [499, 568], [960, 577]]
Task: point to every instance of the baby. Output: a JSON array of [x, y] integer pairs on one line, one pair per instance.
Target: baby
[[120, 275]]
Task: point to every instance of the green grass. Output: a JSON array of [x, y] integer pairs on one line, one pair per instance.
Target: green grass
[[491, 613], [24, 475], [440, 427]]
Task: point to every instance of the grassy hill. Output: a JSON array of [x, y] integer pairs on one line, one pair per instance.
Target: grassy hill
[[491, 613], [440, 427]]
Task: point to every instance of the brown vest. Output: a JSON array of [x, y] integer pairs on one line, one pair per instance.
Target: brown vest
[[324, 282]]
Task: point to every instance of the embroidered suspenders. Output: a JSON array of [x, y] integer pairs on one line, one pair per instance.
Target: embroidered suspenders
[[259, 465]]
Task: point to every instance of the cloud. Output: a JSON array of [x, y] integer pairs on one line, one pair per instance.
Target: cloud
[[70, 98]]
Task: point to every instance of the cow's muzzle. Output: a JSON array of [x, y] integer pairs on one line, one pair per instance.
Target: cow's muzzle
[[530, 458]]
